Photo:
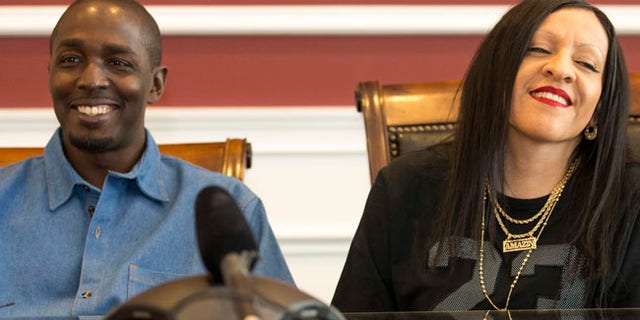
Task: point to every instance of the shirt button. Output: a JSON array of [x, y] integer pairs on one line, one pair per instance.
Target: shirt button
[[85, 188], [98, 232], [91, 210], [86, 295]]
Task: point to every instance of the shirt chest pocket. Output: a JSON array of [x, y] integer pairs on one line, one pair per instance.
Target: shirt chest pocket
[[141, 279]]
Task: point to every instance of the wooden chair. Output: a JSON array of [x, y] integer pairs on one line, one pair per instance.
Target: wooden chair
[[231, 157], [400, 118]]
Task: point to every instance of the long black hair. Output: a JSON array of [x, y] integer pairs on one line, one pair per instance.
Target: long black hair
[[480, 140]]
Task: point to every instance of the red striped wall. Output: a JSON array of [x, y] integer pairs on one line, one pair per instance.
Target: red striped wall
[[270, 70]]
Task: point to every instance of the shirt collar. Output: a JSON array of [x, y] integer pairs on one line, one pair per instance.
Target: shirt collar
[[148, 171], [61, 178]]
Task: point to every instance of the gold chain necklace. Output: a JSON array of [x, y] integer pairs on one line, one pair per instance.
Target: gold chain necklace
[[514, 220], [527, 240], [557, 189], [544, 220], [481, 263]]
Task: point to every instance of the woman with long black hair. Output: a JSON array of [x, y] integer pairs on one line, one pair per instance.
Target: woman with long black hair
[[532, 203]]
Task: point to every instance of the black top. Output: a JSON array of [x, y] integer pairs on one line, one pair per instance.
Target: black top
[[391, 265]]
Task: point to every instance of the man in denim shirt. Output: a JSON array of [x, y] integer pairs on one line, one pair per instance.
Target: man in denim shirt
[[102, 215]]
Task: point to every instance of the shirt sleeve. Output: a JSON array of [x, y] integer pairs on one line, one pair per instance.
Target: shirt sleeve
[[365, 283], [272, 263]]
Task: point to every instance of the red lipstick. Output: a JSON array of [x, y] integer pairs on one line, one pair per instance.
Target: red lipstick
[[552, 96]]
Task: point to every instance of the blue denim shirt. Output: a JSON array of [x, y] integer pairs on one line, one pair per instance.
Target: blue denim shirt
[[58, 260]]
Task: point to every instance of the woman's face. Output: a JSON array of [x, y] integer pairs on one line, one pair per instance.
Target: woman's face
[[559, 81]]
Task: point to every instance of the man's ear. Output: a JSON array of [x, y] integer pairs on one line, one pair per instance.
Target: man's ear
[[159, 83]]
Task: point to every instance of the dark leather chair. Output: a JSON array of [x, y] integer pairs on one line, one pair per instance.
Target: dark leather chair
[[400, 118], [231, 157]]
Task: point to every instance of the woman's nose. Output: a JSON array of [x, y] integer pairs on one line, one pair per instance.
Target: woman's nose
[[560, 67]]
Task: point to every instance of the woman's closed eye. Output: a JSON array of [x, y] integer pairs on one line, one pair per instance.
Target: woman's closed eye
[[588, 65], [538, 50]]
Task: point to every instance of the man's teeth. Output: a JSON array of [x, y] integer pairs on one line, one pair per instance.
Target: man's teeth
[[550, 96], [93, 111]]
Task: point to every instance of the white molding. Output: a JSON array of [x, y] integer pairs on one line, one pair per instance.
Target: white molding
[[282, 138], [307, 19], [273, 130]]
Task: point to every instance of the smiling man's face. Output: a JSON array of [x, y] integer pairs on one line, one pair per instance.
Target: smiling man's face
[[101, 77]]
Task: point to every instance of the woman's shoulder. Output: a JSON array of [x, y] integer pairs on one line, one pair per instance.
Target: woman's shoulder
[[436, 158], [418, 169]]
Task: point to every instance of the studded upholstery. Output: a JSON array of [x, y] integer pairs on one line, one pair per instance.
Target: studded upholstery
[[400, 118]]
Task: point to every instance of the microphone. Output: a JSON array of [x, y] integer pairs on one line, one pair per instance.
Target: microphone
[[227, 246], [226, 242]]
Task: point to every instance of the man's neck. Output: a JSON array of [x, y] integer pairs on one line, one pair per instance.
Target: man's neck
[[95, 166]]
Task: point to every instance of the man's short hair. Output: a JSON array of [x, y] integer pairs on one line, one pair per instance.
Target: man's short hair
[[152, 39]]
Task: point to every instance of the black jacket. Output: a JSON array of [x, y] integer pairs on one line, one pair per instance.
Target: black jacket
[[388, 267]]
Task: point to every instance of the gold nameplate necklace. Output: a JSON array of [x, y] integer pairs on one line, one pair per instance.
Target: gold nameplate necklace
[[528, 240], [523, 241]]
